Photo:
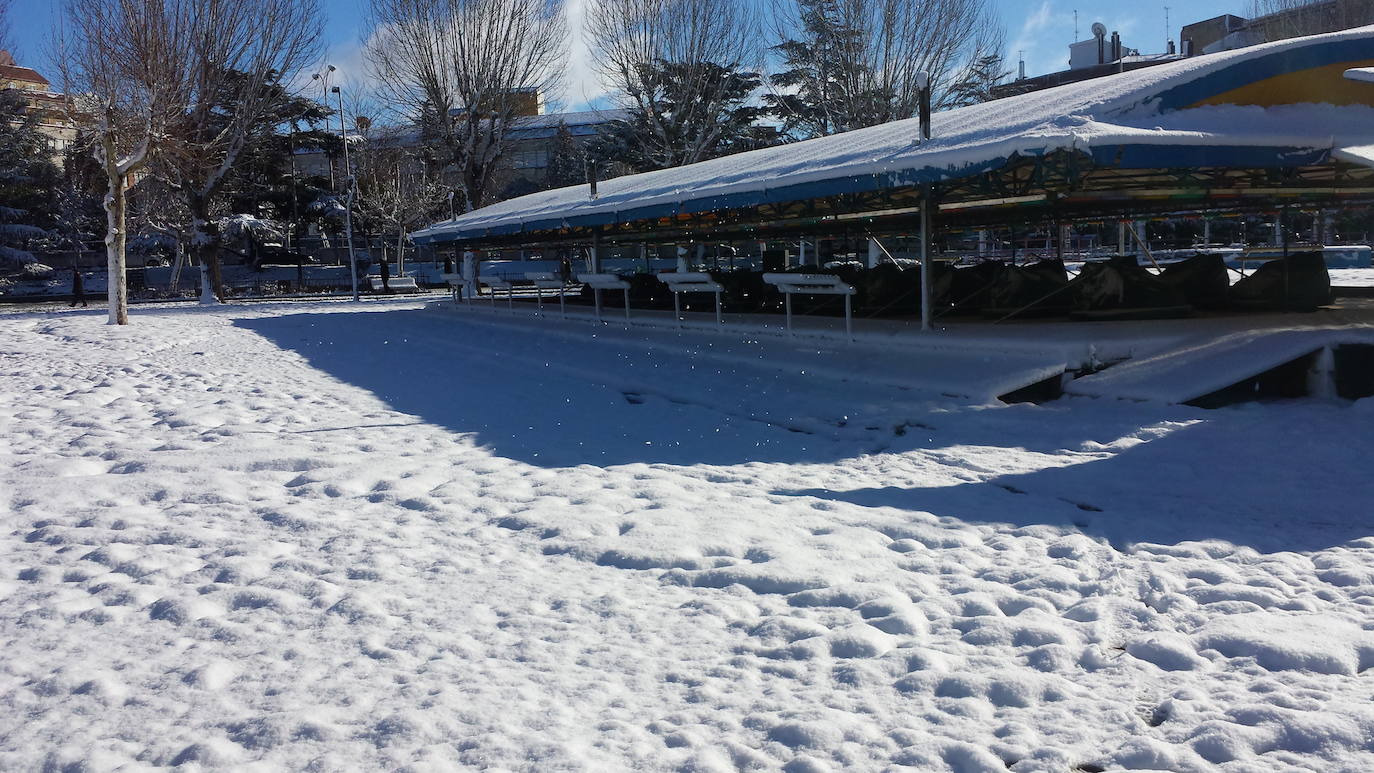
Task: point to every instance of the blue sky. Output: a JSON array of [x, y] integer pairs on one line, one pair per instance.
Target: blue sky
[[1041, 30]]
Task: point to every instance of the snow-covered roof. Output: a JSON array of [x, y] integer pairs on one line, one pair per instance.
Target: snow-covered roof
[[581, 124], [1276, 104]]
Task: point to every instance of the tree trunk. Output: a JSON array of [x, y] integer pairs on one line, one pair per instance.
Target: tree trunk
[[116, 288], [206, 242]]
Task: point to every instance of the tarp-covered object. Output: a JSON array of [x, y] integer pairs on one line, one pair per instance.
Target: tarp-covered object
[[1202, 280], [1121, 285], [1273, 105], [1036, 289], [1298, 282]]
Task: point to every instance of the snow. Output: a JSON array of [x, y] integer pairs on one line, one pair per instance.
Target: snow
[[1211, 362], [342, 536], [1365, 74], [1124, 109], [1352, 277]]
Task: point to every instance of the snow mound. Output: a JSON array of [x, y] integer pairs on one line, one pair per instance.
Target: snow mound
[[1169, 651], [1320, 643]]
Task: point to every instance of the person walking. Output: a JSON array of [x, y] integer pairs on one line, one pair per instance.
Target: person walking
[[78, 288], [386, 276]]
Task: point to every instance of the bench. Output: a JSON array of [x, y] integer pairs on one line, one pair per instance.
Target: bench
[[455, 285], [691, 282], [493, 284], [813, 284], [400, 283], [599, 282], [547, 280]]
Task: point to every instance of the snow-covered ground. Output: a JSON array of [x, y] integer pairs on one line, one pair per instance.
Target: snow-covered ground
[[358, 537]]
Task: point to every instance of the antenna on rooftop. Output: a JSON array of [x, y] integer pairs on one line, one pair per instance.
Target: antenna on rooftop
[[1168, 36], [1075, 25], [1021, 65]]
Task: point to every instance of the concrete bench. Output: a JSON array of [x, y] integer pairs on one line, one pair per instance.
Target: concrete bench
[[396, 284], [547, 280], [813, 284], [455, 285], [493, 284], [691, 282], [599, 282]]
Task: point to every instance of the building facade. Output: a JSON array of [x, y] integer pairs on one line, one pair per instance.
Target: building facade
[[50, 107]]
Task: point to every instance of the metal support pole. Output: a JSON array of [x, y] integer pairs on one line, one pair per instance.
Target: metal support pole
[[787, 303], [562, 306], [677, 312], [719, 321], [348, 234], [627, 304], [925, 261], [596, 301], [848, 317]]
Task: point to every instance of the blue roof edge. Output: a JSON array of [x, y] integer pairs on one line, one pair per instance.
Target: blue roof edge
[[1130, 156]]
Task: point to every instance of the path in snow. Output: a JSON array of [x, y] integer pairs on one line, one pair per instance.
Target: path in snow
[[341, 537]]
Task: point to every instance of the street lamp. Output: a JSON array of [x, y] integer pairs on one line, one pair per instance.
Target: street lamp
[[323, 78], [348, 201], [348, 177]]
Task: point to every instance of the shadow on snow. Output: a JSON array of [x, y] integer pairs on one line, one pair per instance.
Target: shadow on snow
[[1271, 478]]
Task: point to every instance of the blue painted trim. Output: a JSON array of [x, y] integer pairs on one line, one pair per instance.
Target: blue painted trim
[[1174, 156], [1262, 68], [1120, 156]]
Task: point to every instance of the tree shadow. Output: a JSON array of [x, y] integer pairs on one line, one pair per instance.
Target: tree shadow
[[536, 399], [1270, 477]]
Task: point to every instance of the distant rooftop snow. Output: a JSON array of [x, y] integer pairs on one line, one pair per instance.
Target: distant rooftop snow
[[1146, 107]]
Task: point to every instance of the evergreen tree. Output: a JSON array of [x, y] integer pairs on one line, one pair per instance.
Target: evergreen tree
[[848, 64], [670, 125], [28, 180], [976, 82], [264, 181], [815, 94], [567, 161]]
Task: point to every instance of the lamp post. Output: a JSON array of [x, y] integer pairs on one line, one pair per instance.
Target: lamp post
[[348, 201], [323, 77]]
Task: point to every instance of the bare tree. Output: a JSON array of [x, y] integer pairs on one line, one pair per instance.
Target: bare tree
[[240, 55], [681, 67], [125, 59], [846, 64], [1282, 19], [398, 185], [466, 71]]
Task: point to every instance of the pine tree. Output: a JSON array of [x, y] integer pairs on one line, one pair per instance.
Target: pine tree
[[675, 126], [28, 179], [567, 161], [829, 85], [976, 82]]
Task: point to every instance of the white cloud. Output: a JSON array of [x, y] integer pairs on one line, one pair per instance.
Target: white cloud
[[582, 88]]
